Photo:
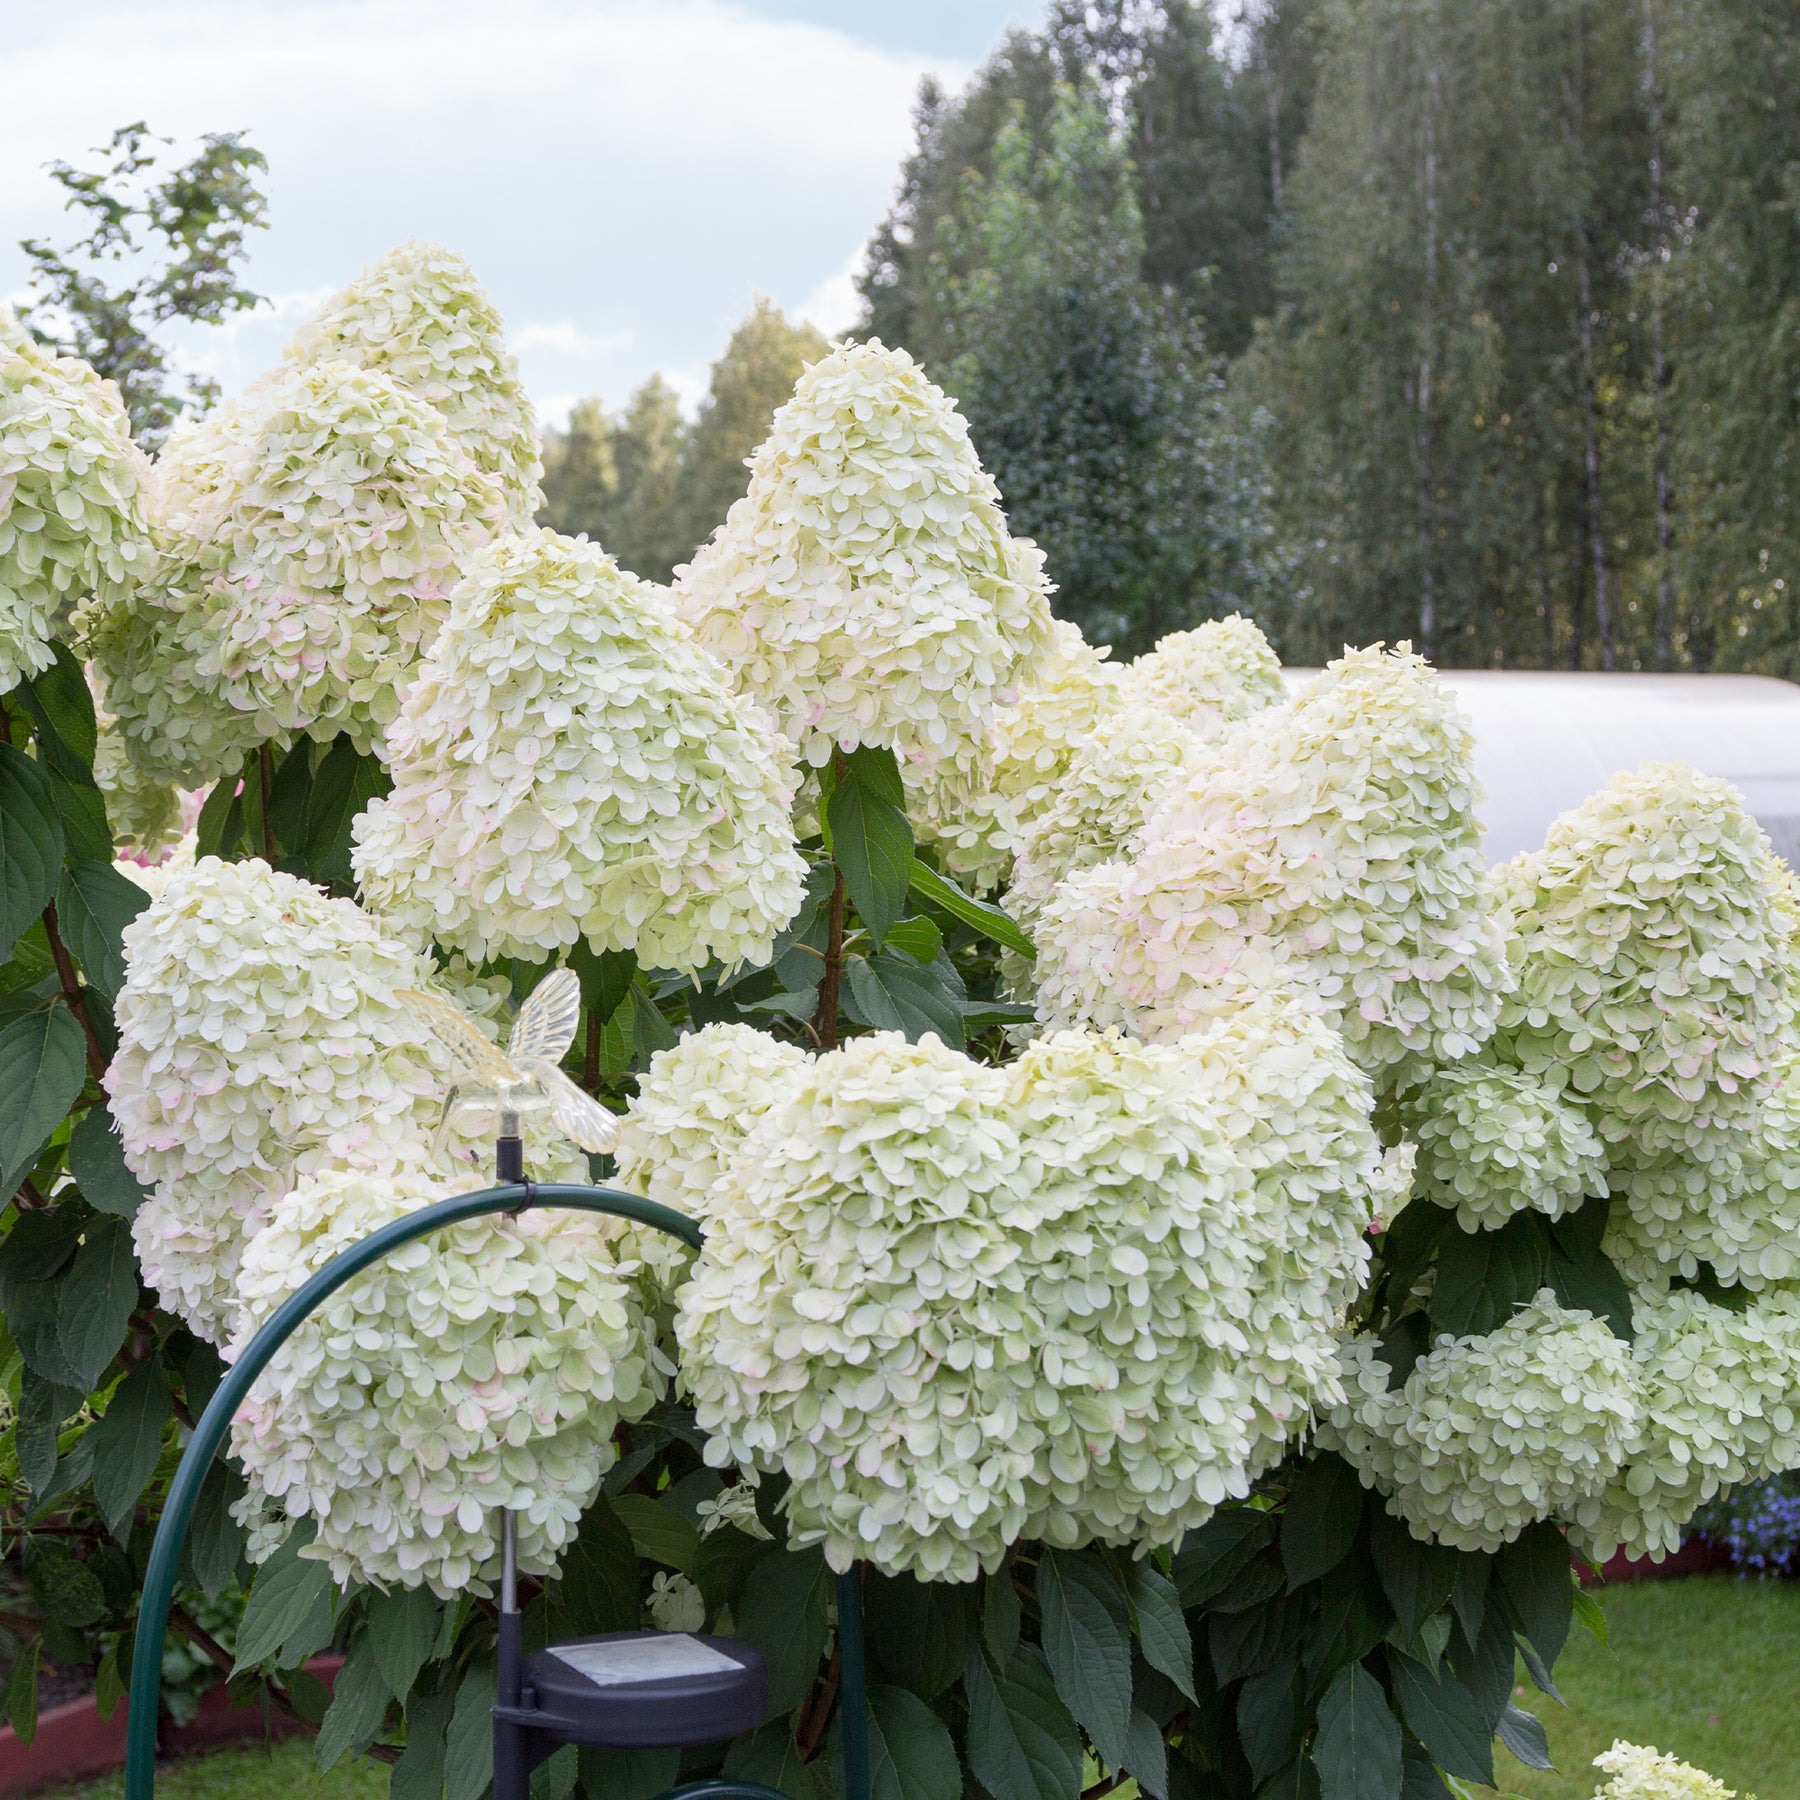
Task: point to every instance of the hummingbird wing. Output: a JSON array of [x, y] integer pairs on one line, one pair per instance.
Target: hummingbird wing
[[580, 1116], [470, 1054], [545, 1027]]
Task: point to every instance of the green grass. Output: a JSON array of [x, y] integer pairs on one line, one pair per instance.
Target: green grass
[[1706, 1668], [284, 1771]]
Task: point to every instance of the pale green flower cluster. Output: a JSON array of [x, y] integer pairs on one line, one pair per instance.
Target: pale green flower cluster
[[1032, 743], [1718, 1392], [866, 589], [419, 315], [1088, 1297], [1330, 840], [143, 810], [1209, 677], [570, 766], [1642, 1772], [74, 498], [1494, 1142], [1491, 1433], [483, 1368]]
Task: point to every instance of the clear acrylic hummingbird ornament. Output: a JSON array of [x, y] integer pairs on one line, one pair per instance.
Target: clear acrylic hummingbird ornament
[[498, 1087]]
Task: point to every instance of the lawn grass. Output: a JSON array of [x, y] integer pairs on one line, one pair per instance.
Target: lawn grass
[[283, 1771], [1705, 1667]]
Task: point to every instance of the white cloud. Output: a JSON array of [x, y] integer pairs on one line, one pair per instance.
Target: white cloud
[[624, 174], [835, 305]]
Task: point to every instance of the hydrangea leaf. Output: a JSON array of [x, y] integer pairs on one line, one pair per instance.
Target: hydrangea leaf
[[97, 1161], [94, 904], [1357, 1749], [31, 845], [783, 1614], [1087, 1641], [127, 1441], [1445, 1718], [43, 1063]]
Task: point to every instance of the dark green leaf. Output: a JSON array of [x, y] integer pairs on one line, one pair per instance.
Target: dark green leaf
[[1592, 1616], [1535, 1575], [43, 1406], [1162, 1632], [403, 1625], [784, 1616], [97, 1161], [1419, 1777], [1579, 1234], [1298, 1781], [22, 1693], [1417, 1578], [1324, 1509], [359, 1700], [288, 794], [605, 978], [283, 1601], [1592, 1284], [87, 834], [652, 1031], [911, 1756], [919, 1632], [221, 821], [918, 937], [1023, 1744], [1241, 1643], [871, 841], [769, 1757], [1000, 1615], [1523, 1734], [1403, 1343], [1210, 1558], [637, 1774], [469, 1741], [1483, 1665], [62, 713], [1087, 1641], [215, 1540], [31, 845], [1469, 1597], [69, 1592], [97, 1297], [1445, 1717], [94, 904], [1357, 1749], [598, 1590], [989, 920], [43, 1062], [1147, 1756], [343, 784], [659, 1534], [127, 1442], [1483, 1275], [1260, 1577], [1269, 1718], [419, 1774], [726, 1558], [893, 995], [109, 1686]]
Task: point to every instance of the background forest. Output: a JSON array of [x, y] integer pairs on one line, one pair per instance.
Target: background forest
[[1476, 323]]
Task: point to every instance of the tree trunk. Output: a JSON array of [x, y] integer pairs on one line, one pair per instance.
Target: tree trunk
[[1666, 598], [1427, 444]]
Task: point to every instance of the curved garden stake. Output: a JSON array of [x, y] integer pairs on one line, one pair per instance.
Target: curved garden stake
[[215, 1421]]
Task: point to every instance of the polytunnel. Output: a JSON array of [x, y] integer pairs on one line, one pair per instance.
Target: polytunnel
[[1546, 740]]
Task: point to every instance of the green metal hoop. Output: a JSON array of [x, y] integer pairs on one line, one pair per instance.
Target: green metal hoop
[[215, 1421]]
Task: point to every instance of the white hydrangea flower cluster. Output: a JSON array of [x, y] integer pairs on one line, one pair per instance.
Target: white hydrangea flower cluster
[[1494, 1142], [1210, 677], [1333, 837], [1033, 742], [1491, 1433], [1718, 1407], [419, 315], [866, 589], [143, 810], [1642, 1772], [569, 765], [74, 498], [1090, 1296], [259, 1041], [696, 1102], [485, 1367]]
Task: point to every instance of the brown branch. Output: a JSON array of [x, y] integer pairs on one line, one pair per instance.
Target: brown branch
[[33, 1194], [590, 1072], [825, 1019], [810, 1732], [1105, 1787], [74, 994]]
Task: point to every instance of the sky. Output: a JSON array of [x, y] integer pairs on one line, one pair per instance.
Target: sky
[[624, 175]]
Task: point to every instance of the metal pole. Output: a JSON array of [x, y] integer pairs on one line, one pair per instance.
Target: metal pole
[[853, 1684], [512, 1780], [209, 1433]]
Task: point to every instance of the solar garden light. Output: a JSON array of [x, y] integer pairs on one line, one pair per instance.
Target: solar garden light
[[621, 1689]]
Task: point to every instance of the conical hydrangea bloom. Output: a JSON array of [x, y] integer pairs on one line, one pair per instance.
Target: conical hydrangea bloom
[[1209, 677], [1491, 1433], [569, 765], [485, 1367], [1717, 1407], [1334, 836], [259, 1040], [1642, 1772], [419, 315], [302, 587], [74, 500], [1033, 742], [866, 589]]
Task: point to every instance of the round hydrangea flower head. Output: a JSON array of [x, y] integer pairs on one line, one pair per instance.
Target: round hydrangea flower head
[[419, 315], [1335, 834], [859, 1317], [1130, 759], [1642, 1772], [695, 1104], [1491, 1433], [569, 765], [866, 589], [74, 498], [1209, 677], [1717, 1408], [484, 1367], [1649, 953], [259, 1039], [1494, 1142], [1033, 741]]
